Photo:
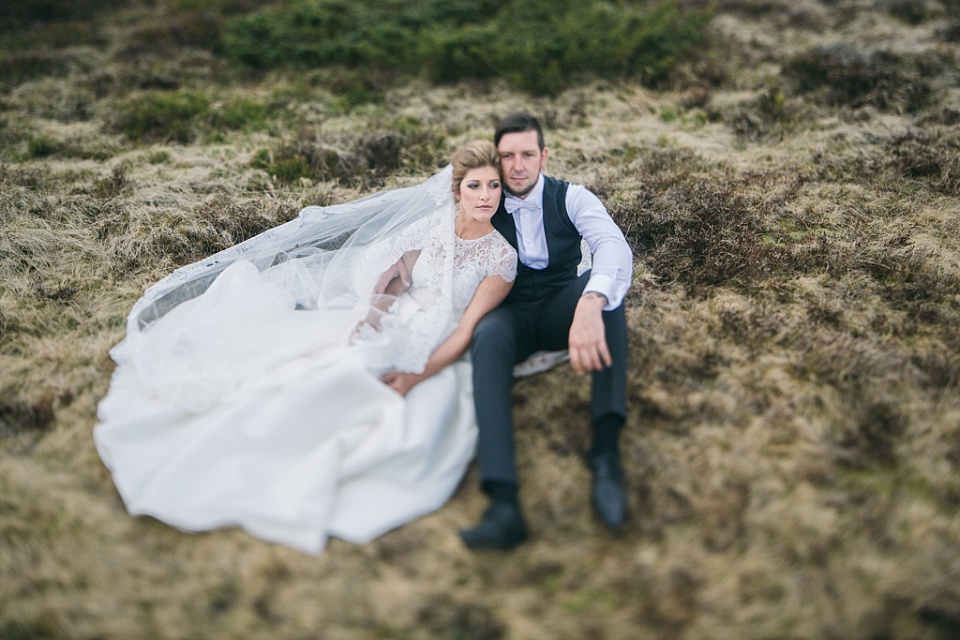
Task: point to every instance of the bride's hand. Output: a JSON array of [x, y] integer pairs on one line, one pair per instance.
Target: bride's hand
[[400, 382], [372, 321]]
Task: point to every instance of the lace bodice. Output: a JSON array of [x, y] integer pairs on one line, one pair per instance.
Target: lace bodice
[[473, 261]]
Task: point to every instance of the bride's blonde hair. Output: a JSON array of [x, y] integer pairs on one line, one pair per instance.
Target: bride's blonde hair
[[473, 155]]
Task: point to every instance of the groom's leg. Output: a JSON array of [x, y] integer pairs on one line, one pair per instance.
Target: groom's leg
[[608, 404], [609, 395], [610, 384], [494, 351]]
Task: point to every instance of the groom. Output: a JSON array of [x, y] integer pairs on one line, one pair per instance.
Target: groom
[[550, 308]]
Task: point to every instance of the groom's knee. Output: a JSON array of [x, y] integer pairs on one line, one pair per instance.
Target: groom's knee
[[493, 339]]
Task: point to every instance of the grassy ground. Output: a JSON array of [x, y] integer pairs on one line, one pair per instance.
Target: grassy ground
[[793, 197]]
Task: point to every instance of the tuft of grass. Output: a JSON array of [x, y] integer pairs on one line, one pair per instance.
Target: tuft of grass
[[55, 99], [770, 114]]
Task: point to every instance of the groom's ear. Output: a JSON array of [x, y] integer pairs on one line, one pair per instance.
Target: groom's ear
[[543, 157]]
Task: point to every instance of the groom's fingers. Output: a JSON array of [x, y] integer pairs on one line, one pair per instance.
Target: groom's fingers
[[593, 357], [605, 354], [580, 360], [398, 270]]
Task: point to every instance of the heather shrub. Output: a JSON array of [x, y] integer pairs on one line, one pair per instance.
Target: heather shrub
[[910, 11], [842, 75], [930, 156], [367, 158], [699, 232], [796, 15]]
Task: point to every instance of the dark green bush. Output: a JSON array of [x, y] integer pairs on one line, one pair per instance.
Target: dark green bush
[[308, 33], [161, 116], [241, 114], [15, 15], [910, 11], [20, 67], [222, 7], [53, 36], [169, 34], [540, 47]]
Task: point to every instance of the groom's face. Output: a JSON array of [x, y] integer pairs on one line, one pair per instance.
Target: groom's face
[[521, 161]]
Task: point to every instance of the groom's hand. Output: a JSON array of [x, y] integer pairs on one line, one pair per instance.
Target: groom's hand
[[587, 340], [400, 270]]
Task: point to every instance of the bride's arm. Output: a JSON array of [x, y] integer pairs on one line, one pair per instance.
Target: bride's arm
[[490, 293]]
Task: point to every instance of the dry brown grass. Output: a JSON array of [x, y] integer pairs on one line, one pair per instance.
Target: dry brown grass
[[794, 435]]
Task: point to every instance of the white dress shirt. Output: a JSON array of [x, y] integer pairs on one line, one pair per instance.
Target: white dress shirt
[[612, 270]]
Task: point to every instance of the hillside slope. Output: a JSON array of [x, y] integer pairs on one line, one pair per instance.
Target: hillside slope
[[793, 199]]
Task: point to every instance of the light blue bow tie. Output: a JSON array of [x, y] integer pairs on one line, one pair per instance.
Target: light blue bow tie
[[522, 207]]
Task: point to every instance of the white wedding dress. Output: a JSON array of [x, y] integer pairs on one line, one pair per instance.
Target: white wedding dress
[[257, 403]]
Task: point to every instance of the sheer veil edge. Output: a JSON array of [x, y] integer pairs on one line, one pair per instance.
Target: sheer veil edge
[[315, 257]]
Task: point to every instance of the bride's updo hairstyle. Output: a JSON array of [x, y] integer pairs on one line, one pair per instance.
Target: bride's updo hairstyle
[[473, 155]]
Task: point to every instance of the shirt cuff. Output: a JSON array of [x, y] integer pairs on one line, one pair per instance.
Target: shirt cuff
[[606, 286]]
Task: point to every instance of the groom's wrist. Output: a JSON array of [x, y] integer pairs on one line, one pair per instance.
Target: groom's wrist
[[595, 295]]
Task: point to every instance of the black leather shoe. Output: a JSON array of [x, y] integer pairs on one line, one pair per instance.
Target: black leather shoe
[[502, 527], [609, 497]]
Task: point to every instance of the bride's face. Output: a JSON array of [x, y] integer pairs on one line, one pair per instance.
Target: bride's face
[[480, 193]]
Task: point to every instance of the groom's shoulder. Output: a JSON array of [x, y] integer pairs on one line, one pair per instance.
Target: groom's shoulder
[[555, 181], [559, 183]]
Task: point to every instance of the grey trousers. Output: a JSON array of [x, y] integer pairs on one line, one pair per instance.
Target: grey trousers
[[519, 327]]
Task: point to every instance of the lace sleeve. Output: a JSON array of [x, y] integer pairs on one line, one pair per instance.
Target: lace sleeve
[[505, 261]]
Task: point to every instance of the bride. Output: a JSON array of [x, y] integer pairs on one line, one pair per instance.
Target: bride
[[308, 382]]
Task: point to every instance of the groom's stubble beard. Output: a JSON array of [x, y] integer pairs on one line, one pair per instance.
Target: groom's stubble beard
[[523, 193]]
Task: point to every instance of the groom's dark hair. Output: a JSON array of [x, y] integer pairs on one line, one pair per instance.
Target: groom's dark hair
[[518, 123]]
